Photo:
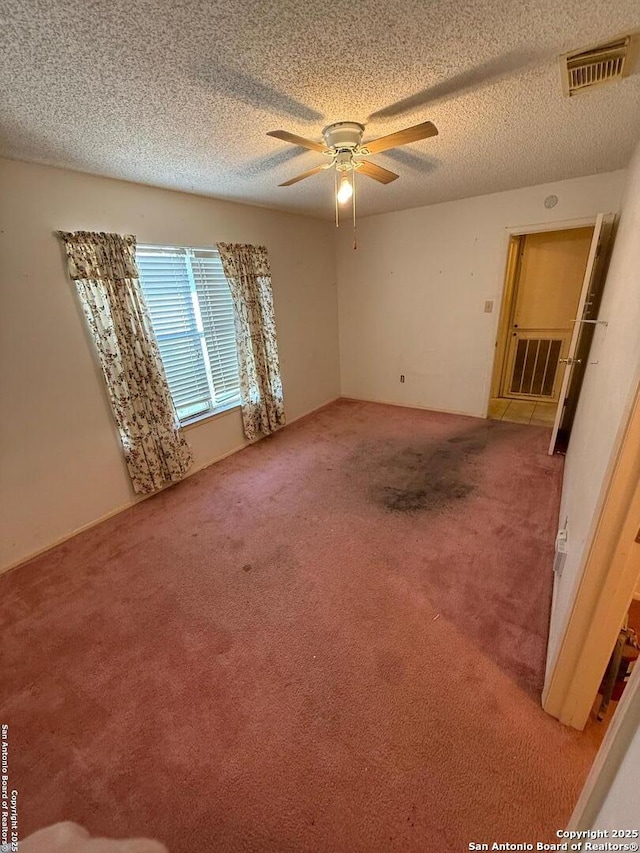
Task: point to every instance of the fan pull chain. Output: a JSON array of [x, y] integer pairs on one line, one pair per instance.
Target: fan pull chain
[[335, 194], [355, 235]]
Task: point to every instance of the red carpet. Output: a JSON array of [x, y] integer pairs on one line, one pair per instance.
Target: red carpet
[[251, 660]]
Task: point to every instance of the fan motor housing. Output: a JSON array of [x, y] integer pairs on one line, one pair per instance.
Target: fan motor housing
[[343, 135]]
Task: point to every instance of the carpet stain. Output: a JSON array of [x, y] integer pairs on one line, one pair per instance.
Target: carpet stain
[[427, 477]]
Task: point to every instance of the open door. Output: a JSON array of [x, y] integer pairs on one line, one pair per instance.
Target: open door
[[583, 327], [609, 578]]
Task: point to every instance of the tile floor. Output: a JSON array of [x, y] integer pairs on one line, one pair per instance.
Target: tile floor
[[522, 411]]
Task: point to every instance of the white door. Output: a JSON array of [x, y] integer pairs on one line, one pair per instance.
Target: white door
[[601, 235]]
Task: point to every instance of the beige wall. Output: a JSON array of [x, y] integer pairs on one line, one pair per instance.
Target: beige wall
[[605, 400], [61, 466], [411, 301], [620, 807], [411, 297], [609, 799]]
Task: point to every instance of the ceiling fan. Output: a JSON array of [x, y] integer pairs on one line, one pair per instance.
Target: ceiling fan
[[344, 149]]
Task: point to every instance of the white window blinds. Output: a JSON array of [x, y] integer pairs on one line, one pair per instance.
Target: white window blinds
[[192, 315]]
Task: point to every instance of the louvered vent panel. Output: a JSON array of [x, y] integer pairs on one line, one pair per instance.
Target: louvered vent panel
[[596, 72], [535, 366], [585, 69]]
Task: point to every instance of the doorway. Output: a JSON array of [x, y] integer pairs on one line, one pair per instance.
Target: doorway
[[545, 278]]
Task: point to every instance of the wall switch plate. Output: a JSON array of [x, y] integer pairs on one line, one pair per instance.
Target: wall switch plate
[[488, 306]]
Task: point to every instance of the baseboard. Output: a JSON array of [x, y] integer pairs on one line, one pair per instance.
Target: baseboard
[[138, 499], [33, 554], [412, 406], [313, 411]]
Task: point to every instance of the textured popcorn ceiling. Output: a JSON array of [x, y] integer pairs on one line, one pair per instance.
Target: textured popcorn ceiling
[[181, 94]]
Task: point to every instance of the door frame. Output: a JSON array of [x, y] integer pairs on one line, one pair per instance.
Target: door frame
[[508, 292], [514, 233], [617, 740], [608, 579]]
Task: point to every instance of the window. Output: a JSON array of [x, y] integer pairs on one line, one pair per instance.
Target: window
[[192, 316]]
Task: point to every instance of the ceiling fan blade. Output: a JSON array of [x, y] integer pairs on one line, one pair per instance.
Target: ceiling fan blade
[[372, 170], [297, 140], [402, 137], [305, 175]]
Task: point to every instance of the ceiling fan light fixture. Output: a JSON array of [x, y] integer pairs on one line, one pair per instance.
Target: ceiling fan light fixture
[[344, 148], [345, 190], [343, 135]]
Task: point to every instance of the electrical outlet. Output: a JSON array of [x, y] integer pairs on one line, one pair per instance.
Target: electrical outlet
[[402, 377], [488, 306]]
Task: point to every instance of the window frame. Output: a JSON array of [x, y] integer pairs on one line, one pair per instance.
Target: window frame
[[223, 408]]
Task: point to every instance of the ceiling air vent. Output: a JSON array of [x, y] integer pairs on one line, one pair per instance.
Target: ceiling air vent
[[584, 69]]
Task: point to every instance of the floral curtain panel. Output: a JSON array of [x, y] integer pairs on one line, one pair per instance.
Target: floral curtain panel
[[103, 267], [247, 270]]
